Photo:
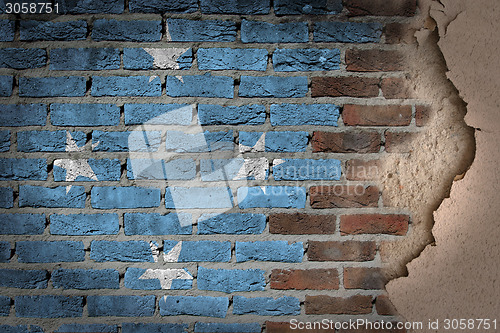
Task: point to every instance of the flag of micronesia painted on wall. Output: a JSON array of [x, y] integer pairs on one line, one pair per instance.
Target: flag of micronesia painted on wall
[[181, 166]]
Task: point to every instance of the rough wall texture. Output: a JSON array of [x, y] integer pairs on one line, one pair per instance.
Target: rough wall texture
[[217, 168], [463, 263]]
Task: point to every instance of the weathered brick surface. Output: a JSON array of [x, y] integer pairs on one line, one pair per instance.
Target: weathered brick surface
[[345, 86], [341, 251], [354, 305], [343, 196], [347, 142], [377, 115], [374, 224], [213, 160], [321, 279], [300, 224], [373, 60]]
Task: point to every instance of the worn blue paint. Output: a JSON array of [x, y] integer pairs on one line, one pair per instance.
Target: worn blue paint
[[86, 279], [279, 251]]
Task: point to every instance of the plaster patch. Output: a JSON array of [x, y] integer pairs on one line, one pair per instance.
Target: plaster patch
[[166, 58], [166, 276]]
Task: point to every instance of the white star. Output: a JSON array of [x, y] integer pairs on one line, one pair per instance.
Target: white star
[[166, 276], [75, 168]]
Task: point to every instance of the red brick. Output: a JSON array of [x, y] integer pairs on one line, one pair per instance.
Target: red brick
[[400, 142], [396, 88], [374, 224], [284, 327], [348, 142], [362, 170], [381, 7], [317, 279], [376, 115], [422, 115], [323, 304], [363, 278], [374, 60], [341, 251], [384, 306], [301, 224], [345, 86], [343, 196], [398, 33]]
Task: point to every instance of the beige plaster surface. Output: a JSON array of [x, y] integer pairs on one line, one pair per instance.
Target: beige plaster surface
[[458, 276]]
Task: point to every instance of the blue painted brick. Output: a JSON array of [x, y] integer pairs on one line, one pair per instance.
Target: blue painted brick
[[291, 7], [110, 197], [154, 328], [48, 306], [103, 169], [92, 7], [84, 59], [47, 141], [200, 86], [236, 59], [5, 252], [23, 169], [148, 58], [126, 86], [293, 60], [306, 169], [58, 197], [158, 114], [153, 279], [22, 224], [7, 30], [129, 251], [65, 86], [127, 31], [84, 224], [4, 141], [4, 306], [286, 141], [86, 279], [347, 32], [157, 224], [84, 328], [121, 306], [273, 86], [181, 142], [253, 114], [20, 328], [198, 197], [196, 251], [22, 114], [244, 7], [6, 83], [227, 327], [278, 251], [235, 224], [266, 306], [45, 252], [271, 197], [47, 30], [195, 306], [161, 7], [22, 58], [231, 280], [304, 114], [180, 169], [234, 169], [263, 32], [251, 141], [24, 279], [140, 141], [181, 30], [6, 197]]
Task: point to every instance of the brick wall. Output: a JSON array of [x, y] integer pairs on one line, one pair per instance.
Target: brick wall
[[171, 166]]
